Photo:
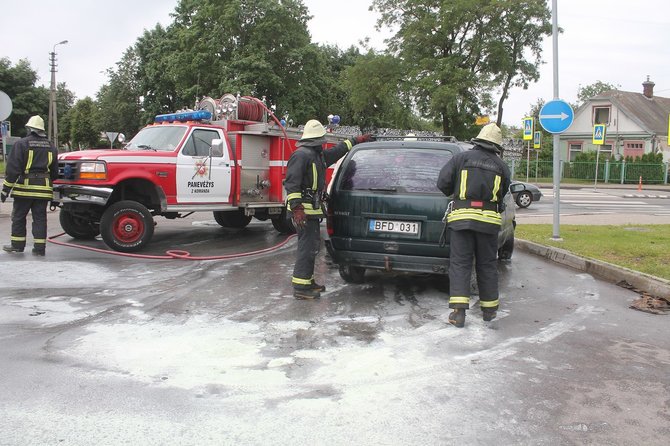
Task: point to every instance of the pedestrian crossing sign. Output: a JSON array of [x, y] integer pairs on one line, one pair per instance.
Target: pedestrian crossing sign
[[537, 140], [599, 134], [527, 129]]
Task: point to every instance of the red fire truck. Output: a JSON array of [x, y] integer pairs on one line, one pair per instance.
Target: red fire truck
[[227, 156]]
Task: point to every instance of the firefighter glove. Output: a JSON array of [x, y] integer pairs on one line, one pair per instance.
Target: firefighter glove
[[53, 206], [299, 218], [364, 138], [3, 195]]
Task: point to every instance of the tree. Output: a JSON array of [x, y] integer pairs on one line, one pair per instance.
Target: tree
[[254, 47], [65, 99], [373, 84], [455, 53], [519, 27], [84, 125], [584, 93], [18, 82], [119, 100]]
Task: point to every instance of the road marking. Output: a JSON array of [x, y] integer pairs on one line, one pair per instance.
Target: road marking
[[623, 203], [618, 205]]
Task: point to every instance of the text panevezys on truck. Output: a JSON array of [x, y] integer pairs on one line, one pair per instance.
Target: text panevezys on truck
[[224, 157]]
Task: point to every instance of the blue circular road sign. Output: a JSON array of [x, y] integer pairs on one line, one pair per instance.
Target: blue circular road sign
[[556, 116]]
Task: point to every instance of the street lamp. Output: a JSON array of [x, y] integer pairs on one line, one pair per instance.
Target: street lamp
[[53, 119]]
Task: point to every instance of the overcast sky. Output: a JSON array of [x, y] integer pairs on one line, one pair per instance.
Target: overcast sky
[[616, 41]]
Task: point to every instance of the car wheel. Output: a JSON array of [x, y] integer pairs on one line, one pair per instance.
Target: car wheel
[[524, 199], [352, 274], [78, 227], [232, 219], [506, 250], [127, 226]]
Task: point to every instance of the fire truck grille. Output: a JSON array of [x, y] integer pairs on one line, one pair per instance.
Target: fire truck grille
[[68, 170]]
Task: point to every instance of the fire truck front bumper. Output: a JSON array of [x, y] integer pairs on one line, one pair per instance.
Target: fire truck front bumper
[[70, 193]]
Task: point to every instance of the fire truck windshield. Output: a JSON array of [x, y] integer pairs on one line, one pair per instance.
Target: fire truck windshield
[[163, 138]]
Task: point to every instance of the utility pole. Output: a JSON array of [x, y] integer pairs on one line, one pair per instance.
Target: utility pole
[[53, 118]]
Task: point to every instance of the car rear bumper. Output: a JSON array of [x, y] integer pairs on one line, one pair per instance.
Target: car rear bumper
[[389, 262]]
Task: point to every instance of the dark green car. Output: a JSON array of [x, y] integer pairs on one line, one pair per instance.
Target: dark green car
[[385, 211]]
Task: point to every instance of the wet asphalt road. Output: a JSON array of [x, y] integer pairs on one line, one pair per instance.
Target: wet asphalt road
[[105, 349]]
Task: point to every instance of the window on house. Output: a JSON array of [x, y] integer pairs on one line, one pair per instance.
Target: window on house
[[601, 115], [606, 150], [633, 148], [575, 149]]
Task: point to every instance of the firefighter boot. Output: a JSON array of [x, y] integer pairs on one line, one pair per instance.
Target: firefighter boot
[[306, 293], [318, 287], [39, 252], [12, 248], [489, 314], [457, 317]]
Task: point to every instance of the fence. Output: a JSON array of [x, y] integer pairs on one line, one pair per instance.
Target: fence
[[608, 171]]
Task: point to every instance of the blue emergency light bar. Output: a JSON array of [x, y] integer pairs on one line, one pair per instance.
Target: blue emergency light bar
[[198, 115]]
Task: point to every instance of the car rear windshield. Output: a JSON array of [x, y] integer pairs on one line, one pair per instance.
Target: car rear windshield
[[411, 170]]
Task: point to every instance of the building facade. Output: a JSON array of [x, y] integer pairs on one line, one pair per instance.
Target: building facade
[[636, 123]]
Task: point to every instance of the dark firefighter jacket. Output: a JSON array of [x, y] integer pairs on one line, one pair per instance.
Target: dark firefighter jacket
[[478, 180], [31, 168], [305, 181]]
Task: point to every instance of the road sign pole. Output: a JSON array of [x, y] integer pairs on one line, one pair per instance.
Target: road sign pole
[[528, 162], [595, 183], [557, 140]]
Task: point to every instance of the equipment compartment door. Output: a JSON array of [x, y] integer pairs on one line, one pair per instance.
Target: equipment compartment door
[[201, 178]]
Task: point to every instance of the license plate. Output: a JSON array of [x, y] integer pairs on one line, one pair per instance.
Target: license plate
[[394, 226]]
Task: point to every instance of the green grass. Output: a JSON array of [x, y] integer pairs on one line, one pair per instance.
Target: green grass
[[644, 248]]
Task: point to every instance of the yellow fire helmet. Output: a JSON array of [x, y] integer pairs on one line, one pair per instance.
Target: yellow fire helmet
[[313, 129], [36, 122], [491, 133]]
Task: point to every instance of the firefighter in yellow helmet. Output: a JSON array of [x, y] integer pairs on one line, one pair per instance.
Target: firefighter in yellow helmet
[[31, 167], [305, 186], [478, 179]]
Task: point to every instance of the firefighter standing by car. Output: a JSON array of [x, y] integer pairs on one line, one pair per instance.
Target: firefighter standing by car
[[478, 179], [31, 168], [305, 186]]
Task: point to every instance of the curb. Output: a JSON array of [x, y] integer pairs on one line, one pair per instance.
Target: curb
[[655, 286]]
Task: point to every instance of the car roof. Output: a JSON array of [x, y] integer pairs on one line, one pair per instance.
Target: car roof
[[453, 147]]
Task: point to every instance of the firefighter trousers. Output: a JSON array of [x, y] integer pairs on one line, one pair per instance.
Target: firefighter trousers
[[38, 210], [464, 245], [309, 245]]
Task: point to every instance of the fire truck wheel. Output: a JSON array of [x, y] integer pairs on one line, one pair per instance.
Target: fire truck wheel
[[232, 219], [127, 226], [283, 224], [77, 227]]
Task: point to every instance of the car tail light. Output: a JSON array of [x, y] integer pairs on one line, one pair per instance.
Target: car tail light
[[329, 221]]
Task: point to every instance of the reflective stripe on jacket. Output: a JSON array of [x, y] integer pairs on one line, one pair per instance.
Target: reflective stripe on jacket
[[31, 168], [305, 181], [478, 180]]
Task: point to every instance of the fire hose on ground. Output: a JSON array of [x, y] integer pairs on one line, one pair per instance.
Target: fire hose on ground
[[171, 254]]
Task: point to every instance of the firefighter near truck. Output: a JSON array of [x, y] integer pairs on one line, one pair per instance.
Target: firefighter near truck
[[227, 156]]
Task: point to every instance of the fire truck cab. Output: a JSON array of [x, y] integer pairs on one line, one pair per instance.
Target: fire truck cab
[[223, 157]]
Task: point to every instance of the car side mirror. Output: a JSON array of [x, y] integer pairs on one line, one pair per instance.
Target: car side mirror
[[516, 187], [217, 148]]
